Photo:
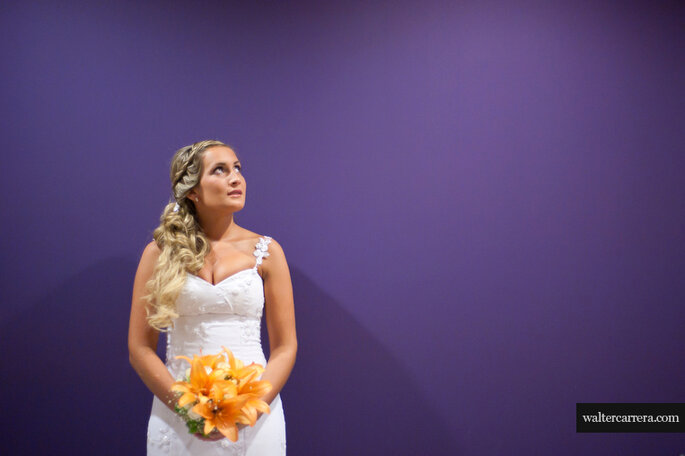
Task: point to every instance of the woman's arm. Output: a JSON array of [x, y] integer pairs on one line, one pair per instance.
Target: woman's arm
[[280, 320], [142, 338]]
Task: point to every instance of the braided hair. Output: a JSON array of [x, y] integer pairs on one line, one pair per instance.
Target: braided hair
[[179, 236]]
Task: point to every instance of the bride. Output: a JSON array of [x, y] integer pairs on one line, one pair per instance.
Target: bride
[[205, 281]]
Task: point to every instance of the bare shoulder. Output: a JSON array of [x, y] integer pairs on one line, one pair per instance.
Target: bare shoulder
[[152, 249], [146, 266], [150, 254], [274, 247], [252, 238], [275, 262]]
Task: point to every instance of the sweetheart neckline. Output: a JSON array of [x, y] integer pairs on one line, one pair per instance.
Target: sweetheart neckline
[[213, 285]]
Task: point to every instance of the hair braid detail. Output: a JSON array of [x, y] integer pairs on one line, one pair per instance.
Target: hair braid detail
[[179, 236]]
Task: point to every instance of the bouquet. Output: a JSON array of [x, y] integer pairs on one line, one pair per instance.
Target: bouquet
[[219, 391]]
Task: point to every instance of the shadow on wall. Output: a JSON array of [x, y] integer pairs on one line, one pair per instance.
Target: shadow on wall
[[70, 383], [66, 364], [347, 393]]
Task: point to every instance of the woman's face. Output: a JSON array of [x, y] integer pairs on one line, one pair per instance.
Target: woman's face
[[222, 186]]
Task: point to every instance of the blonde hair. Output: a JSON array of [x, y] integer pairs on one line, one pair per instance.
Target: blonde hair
[[179, 236]]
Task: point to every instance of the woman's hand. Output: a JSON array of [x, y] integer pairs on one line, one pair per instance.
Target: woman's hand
[[215, 434], [211, 437]]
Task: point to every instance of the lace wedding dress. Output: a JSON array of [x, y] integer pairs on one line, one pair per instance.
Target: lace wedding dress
[[211, 316]]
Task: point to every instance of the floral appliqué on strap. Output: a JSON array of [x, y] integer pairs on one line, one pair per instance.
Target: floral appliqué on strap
[[262, 249]]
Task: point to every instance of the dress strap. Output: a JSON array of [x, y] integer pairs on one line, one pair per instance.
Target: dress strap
[[261, 250]]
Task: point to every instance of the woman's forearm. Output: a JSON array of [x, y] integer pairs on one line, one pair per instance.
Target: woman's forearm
[[277, 370], [157, 378], [154, 374]]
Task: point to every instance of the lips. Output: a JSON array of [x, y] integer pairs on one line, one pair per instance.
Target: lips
[[236, 192]]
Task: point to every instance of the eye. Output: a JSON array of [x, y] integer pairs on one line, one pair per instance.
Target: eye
[[223, 168]]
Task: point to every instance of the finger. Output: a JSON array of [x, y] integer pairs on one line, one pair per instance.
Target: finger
[[208, 438]]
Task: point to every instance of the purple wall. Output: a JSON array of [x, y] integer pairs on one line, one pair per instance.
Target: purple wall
[[481, 205]]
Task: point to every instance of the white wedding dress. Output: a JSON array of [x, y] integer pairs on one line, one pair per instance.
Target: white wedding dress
[[211, 316]]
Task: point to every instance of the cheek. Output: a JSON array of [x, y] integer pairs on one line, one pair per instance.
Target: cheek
[[216, 182], [212, 185]]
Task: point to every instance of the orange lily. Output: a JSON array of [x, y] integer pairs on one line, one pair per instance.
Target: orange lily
[[236, 369], [200, 383], [222, 410], [254, 389], [249, 410], [210, 361], [224, 392]]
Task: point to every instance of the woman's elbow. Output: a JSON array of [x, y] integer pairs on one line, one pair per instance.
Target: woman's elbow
[[293, 349], [289, 348], [132, 357], [135, 353]]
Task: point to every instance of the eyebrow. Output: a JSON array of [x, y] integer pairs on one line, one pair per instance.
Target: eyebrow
[[224, 163]]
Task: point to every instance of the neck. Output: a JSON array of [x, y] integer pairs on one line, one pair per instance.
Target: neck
[[217, 227]]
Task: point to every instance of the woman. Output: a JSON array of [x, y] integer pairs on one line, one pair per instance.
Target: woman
[[206, 280]]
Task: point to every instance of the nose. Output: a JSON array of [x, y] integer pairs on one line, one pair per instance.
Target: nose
[[234, 176]]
